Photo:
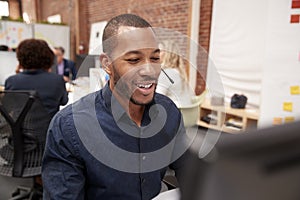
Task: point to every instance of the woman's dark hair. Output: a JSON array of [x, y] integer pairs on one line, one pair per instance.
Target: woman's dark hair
[[35, 54]]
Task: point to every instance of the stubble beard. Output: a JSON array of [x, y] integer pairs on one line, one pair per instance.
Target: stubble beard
[[123, 89]]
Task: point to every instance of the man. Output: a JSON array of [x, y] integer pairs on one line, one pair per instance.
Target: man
[[64, 67], [117, 143]]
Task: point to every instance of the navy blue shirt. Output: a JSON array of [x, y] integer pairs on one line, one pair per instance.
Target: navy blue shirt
[[95, 151], [50, 87]]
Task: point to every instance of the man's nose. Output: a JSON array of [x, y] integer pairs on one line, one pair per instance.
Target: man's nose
[[149, 68]]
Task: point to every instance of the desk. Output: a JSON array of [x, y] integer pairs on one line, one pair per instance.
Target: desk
[[77, 89], [168, 195]]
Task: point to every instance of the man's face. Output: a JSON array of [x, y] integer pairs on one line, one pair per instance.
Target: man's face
[[135, 65], [59, 55]]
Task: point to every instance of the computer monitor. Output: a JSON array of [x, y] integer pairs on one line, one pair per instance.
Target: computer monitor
[[85, 62], [256, 165]]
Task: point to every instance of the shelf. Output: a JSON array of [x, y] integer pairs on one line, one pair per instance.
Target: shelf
[[204, 124], [241, 119]]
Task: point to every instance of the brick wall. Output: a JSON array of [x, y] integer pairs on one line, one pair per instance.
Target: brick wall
[[29, 6], [14, 10], [171, 14], [39, 10], [204, 38], [66, 9]]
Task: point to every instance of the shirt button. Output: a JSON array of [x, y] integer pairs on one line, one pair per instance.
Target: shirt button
[[144, 157], [143, 180]]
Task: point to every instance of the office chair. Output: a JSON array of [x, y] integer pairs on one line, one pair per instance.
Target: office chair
[[23, 127], [191, 113]]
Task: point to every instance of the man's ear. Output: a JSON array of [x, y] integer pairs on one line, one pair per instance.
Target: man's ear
[[106, 63]]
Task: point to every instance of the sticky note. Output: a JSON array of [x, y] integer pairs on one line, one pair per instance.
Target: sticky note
[[288, 106], [295, 90], [289, 119], [277, 120]]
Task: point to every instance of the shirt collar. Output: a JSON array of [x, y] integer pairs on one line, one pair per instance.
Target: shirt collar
[[112, 104], [36, 71]]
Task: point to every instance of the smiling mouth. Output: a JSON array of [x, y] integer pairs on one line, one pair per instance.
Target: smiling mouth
[[144, 86]]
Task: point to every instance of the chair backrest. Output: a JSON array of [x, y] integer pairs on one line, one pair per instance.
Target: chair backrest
[[23, 127], [191, 113]]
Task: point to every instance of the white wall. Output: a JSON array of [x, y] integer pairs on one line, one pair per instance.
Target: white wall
[[237, 47], [281, 67], [255, 50], [8, 65], [12, 33], [95, 44], [55, 35]]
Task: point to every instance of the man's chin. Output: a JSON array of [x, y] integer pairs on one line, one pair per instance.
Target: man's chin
[[141, 102]]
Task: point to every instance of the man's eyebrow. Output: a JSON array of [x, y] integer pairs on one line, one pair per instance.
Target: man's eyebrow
[[138, 52], [132, 52]]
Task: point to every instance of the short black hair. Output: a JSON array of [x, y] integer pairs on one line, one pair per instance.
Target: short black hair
[[112, 27], [35, 54], [61, 49]]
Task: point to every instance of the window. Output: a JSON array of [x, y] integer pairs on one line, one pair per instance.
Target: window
[[54, 19], [4, 10]]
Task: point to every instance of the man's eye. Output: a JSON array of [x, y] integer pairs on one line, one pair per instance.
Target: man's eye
[[155, 59], [133, 60]]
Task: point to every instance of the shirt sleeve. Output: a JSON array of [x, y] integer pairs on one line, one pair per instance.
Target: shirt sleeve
[[62, 170]]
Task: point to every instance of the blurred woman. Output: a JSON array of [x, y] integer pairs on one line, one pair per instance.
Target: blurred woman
[[35, 59], [172, 64]]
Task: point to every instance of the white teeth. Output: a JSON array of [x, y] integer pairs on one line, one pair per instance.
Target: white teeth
[[145, 86], [148, 86]]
